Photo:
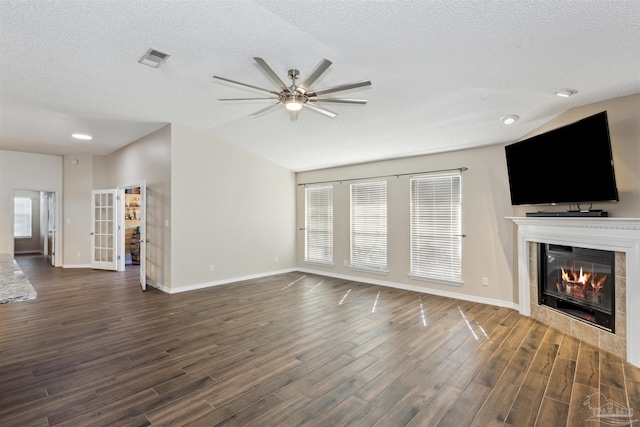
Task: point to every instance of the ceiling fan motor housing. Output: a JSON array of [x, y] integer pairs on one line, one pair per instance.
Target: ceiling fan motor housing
[[293, 100]]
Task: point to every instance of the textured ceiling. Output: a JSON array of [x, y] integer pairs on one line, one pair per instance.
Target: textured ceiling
[[443, 72]]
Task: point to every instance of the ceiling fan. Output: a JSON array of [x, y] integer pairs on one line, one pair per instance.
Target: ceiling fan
[[295, 97]]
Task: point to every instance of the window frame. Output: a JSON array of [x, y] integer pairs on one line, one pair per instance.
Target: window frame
[[439, 222], [26, 222], [367, 227], [318, 223]]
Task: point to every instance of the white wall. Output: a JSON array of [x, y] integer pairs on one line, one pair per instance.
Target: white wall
[[147, 160], [26, 171], [487, 249], [76, 224], [100, 172], [230, 209]]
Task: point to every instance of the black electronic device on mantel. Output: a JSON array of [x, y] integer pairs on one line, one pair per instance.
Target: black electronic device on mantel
[[572, 164], [586, 213]]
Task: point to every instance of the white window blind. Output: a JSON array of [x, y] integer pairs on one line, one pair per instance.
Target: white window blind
[[319, 224], [436, 237], [369, 226], [22, 217]]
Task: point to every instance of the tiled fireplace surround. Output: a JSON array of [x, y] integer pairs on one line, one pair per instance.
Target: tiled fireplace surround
[[621, 235]]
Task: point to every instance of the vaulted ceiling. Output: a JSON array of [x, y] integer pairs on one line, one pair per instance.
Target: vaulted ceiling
[[443, 73]]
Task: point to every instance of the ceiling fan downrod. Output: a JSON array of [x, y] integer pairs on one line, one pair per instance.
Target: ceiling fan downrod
[[293, 101]]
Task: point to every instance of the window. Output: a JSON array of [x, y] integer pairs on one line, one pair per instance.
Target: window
[[22, 217], [369, 226], [319, 225], [436, 238]]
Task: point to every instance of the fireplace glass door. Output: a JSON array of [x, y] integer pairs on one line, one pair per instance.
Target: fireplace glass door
[[578, 282]]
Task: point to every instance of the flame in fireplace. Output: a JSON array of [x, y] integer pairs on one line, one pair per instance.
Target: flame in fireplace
[[577, 282]]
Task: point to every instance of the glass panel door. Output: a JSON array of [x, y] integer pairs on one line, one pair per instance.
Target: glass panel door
[[103, 236]]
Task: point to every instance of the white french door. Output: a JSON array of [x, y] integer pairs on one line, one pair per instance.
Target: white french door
[[50, 224], [104, 230], [143, 236]]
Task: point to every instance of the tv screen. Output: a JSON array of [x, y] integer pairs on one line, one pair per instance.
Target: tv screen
[[571, 164]]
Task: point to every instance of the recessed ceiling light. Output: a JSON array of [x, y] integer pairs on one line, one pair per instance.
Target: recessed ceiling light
[[566, 93], [82, 136], [509, 120]]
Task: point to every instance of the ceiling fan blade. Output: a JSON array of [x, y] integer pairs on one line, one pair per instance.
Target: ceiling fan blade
[[247, 85], [339, 88], [317, 72], [339, 100], [321, 110], [244, 99], [272, 74], [264, 110]]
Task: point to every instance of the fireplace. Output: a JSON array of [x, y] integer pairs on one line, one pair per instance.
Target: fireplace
[[619, 235], [578, 282]]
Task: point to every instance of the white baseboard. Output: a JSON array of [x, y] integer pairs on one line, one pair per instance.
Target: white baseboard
[[455, 295], [158, 286], [76, 265], [28, 252], [179, 289]]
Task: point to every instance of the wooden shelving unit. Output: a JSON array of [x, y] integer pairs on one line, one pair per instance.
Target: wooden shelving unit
[[131, 223]]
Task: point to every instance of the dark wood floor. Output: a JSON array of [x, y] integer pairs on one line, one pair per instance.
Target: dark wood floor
[[288, 350]]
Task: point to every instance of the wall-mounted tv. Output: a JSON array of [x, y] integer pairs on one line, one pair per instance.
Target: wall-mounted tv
[[570, 164]]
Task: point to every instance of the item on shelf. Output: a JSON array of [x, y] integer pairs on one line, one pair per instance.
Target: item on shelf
[[135, 246]]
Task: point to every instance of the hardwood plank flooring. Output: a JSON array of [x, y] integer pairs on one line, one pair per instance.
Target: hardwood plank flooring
[[293, 349]]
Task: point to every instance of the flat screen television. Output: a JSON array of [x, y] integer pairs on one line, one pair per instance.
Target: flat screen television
[[571, 164]]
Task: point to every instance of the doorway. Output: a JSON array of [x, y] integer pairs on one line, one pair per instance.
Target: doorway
[[132, 222], [35, 221], [114, 211], [132, 240]]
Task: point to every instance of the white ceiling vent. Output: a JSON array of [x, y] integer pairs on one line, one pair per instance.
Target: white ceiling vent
[[154, 58]]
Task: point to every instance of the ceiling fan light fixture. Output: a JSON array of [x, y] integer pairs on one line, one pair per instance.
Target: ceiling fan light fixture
[[293, 105], [293, 101]]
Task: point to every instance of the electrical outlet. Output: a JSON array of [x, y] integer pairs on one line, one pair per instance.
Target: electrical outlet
[[78, 255], [212, 267], [485, 281], [346, 263], [275, 259]]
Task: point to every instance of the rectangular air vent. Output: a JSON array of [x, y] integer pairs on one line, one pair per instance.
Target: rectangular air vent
[[154, 58]]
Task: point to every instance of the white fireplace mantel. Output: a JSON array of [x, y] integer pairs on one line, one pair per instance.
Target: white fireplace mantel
[[612, 234]]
